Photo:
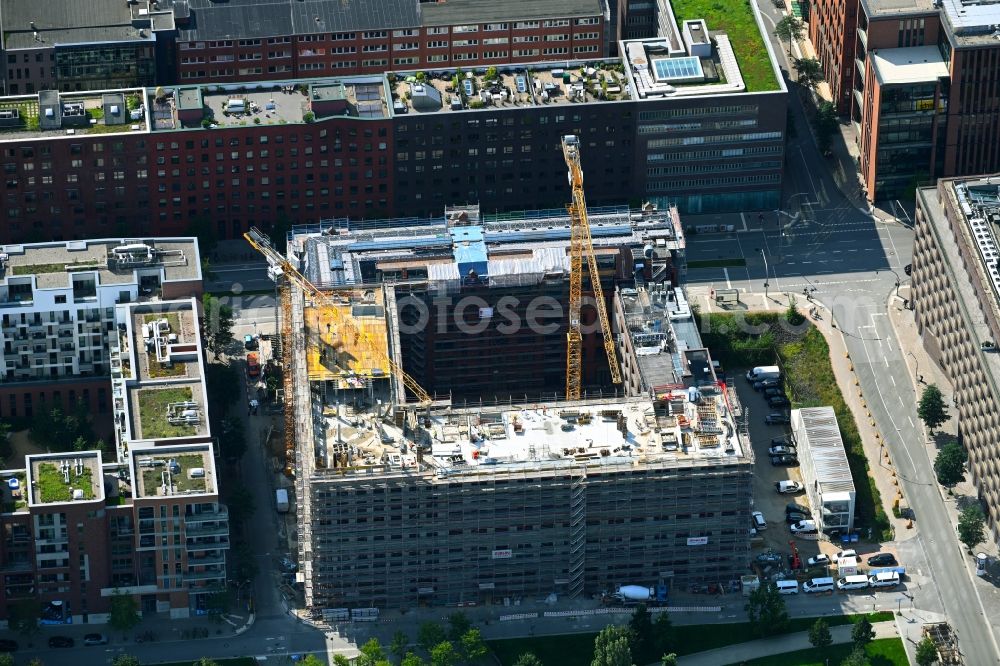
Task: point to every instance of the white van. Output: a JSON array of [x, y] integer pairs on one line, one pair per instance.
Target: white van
[[818, 585], [787, 586], [884, 579], [852, 583]]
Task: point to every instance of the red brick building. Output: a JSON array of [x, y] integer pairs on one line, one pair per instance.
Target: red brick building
[[243, 42]]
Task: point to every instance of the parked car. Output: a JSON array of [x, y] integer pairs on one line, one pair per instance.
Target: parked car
[[795, 517], [788, 488], [7, 645], [758, 520], [820, 560], [774, 390], [778, 401], [781, 450], [777, 418], [784, 460], [793, 507], [61, 642], [803, 526], [766, 384], [250, 343], [95, 639], [780, 441], [882, 560], [908, 269], [845, 553]]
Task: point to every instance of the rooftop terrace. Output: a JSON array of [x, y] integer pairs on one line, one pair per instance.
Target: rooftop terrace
[[268, 103], [51, 113], [508, 87], [173, 470], [65, 477], [116, 261]]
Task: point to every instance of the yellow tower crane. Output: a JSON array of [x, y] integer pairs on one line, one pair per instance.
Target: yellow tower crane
[[345, 324], [582, 245]]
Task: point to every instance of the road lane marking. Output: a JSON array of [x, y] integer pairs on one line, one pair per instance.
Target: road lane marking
[[729, 285]]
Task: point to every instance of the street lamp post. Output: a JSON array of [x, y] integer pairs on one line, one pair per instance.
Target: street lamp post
[[766, 271], [898, 281], [916, 364]]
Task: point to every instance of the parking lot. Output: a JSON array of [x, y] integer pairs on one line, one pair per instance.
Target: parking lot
[[768, 501]]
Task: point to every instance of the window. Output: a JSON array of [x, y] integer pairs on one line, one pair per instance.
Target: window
[[408, 32], [525, 25], [495, 27], [375, 34], [437, 31], [593, 20], [458, 29], [556, 23]]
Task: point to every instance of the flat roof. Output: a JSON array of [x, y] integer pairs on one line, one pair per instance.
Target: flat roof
[[824, 447], [53, 264], [63, 22], [94, 120], [61, 478], [673, 431], [914, 64], [883, 8], [487, 11], [167, 471], [972, 21], [243, 19]]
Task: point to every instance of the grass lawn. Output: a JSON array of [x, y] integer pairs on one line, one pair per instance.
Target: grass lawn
[[153, 412], [718, 263], [158, 370], [578, 649], [735, 18], [52, 485], [809, 382], [881, 652], [172, 318], [151, 477]]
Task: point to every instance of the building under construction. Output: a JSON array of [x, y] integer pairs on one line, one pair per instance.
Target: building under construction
[[500, 488]]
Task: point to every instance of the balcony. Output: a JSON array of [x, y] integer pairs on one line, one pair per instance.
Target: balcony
[[206, 561], [207, 516], [200, 530], [194, 545], [204, 575]]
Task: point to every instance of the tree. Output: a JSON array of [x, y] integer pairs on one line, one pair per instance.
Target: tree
[[232, 438], [36, 662], [856, 658], [766, 610], [949, 465], [789, 28], [313, 660], [23, 616], [444, 654], [6, 450], [400, 641], [124, 612], [341, 660], [125, 660], [932, 410], [664, 635], [971, 526], [611, 647], [862, 634], [810, 72], [528, 659], [819, 634], [241, 504], [412, 660], [205, 661], [826, 126], [668, 660], [6, 659], [430, 634], [219, 382], [244, 563], [458, 624], [792, 314], [640, 626], [371, 653], [927, 652], [217, 324], [473, 647]]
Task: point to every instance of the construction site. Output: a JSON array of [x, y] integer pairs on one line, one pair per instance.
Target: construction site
[[482, 409]]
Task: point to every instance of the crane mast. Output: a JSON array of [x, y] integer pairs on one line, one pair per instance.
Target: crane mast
[[346, 326], [581, 247]]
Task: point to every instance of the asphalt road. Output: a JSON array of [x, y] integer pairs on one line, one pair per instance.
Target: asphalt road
[[827, 243]]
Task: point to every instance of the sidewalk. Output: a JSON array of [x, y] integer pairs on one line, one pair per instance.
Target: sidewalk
[[766, 647]]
